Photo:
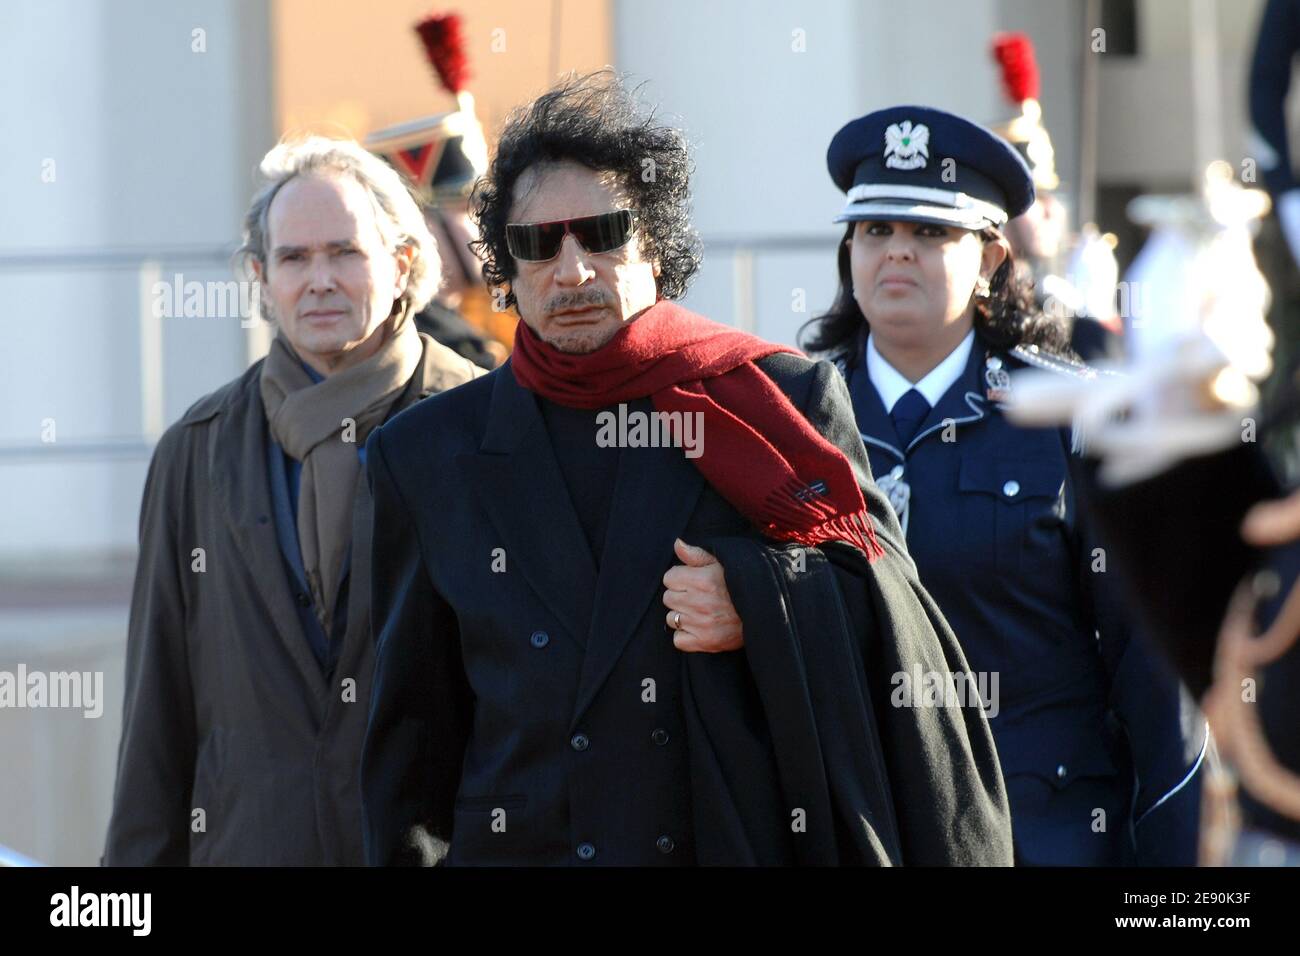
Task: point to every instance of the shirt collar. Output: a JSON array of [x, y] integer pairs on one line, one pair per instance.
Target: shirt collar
[[892, 385]]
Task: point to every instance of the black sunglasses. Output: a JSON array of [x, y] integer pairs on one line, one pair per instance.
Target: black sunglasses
[[540, 241]]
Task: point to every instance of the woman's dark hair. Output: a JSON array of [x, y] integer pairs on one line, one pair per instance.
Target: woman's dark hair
[[595, 121], [1006, 318]]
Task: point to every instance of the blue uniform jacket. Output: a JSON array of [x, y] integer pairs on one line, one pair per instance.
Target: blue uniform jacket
[[1099, 749]]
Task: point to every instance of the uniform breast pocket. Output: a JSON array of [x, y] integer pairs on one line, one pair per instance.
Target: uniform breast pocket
[[1023, 499]]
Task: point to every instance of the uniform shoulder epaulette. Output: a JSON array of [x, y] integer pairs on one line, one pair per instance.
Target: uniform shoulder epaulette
[[1033, 356]]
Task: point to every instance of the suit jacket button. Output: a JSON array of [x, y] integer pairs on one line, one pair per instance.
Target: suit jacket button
[[540, 639], [1061, 772], [665, 844], [586, 851], [659, 736], [579, 742], [304, 599]]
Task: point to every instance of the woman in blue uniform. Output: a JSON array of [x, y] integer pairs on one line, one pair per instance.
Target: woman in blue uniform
[[926, 328]]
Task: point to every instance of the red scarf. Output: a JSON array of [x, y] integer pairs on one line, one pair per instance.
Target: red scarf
[[761, 454]]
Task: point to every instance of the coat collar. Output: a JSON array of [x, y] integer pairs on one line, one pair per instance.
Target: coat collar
[[440, 368], [520, 485]]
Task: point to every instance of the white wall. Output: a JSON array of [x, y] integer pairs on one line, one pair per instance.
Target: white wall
[[153, 146], [1148, 118]]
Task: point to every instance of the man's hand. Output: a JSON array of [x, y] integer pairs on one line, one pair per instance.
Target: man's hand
[[700, 611], [1273, 523]]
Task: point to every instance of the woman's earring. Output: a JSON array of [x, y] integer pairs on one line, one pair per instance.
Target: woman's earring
[[982, 287]]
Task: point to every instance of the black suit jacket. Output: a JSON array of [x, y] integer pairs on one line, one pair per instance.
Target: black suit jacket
[[528, 707]]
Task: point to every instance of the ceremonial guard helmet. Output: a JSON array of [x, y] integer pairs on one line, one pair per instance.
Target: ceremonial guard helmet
[[1014, 53]]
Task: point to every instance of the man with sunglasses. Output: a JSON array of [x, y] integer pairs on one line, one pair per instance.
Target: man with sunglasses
[[617, 652]]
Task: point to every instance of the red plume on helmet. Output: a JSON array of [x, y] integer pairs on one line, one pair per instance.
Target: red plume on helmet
[[440, 155], [1015, 54], [444, 44]]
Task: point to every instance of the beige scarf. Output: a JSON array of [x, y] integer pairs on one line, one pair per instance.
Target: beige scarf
[[321, 424]]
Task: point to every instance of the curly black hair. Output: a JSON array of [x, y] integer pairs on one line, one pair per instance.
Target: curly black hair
[[1008, 316], [594, 120]]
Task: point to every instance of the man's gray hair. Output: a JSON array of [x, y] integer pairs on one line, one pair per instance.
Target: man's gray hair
[[401, 223]]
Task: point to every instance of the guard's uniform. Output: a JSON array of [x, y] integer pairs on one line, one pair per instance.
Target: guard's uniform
[[1086, 289], [1101, 768], [441, 157]]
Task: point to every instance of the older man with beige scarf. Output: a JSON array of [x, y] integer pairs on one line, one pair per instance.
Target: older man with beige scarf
[[249, 656]]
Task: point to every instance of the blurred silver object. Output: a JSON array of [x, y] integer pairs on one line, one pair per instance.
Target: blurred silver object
[[1093, 273], [1198, 341]]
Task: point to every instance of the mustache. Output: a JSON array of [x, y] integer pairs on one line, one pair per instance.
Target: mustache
[[565, 301]]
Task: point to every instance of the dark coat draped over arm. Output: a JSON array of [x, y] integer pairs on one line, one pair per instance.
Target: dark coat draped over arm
[[806, 760]]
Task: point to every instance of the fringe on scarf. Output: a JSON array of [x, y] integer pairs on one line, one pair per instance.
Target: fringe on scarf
[[796, 518]]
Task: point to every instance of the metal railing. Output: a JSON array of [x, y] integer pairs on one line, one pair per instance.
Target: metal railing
[[743, 251], [147, 265]]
